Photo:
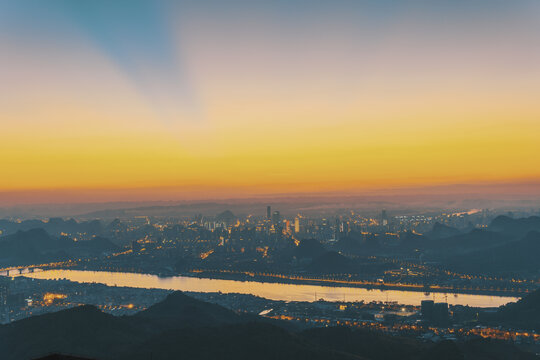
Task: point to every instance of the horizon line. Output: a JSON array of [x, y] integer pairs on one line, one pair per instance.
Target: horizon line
[[170, 194]]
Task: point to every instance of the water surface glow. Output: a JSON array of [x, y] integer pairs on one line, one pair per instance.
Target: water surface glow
[[272, 291]]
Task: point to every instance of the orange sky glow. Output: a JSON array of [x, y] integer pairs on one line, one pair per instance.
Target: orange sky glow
[[322, 102]]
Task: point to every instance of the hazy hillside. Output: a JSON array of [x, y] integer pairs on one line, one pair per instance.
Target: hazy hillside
[[37, 246], [513, 256]]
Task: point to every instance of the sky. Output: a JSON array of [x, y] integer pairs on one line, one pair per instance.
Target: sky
[[167, 100]]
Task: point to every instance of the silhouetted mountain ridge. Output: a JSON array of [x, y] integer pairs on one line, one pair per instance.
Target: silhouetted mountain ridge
[[331, 262], [54, 226], [515, 227], [523, 314], [513, 256], [309, 248], [180, 310], [220, 334]]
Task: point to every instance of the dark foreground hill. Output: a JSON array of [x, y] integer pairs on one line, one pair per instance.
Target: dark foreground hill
[[523, 314], [178, 327], [180, 310], [181, 327]]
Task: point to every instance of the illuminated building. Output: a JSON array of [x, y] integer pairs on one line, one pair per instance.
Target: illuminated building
[[51, 298]]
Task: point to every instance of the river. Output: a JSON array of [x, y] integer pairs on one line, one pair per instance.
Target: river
[[273, 291]]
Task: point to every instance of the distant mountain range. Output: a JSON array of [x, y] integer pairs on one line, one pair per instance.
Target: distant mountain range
[[512, 256], [442, 243], [37, 246], [54, 226], [515, 227], [506, 245]]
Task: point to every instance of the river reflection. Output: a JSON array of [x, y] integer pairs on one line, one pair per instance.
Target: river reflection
[[273, 291]]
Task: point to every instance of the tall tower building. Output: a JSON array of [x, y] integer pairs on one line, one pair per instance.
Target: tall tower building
[[276, 217], [384, 218], [297, 225], [268, 212]]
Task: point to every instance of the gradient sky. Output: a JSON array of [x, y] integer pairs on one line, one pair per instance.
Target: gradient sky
[[195, 99]]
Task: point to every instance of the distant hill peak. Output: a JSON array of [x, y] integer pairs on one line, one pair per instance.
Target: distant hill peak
[[441, 231], [180, 309], [309, 248], [226, 216]]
